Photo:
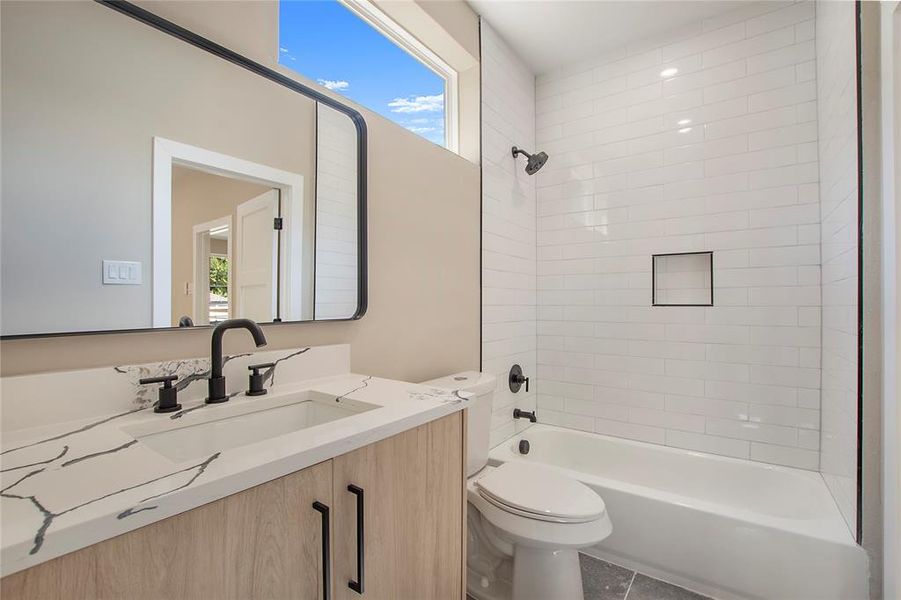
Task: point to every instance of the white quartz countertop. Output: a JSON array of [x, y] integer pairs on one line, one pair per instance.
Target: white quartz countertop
[[67, 486]]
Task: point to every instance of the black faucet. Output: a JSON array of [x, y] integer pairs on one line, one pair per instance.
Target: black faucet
[[524, 414], [217, 380]]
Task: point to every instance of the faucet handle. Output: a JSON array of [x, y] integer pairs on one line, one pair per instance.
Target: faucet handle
[[516, 379], [168, 395], [256, 379], [166, 380]]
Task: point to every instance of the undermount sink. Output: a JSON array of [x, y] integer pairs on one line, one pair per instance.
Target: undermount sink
[[214, 428]]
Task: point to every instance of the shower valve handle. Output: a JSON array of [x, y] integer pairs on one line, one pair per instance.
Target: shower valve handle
[[526, 381], [517, 379]]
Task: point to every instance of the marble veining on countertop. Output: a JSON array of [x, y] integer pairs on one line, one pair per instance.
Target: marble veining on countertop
[[66, 486]]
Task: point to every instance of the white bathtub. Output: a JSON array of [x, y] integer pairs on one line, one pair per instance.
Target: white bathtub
[[726, 527]]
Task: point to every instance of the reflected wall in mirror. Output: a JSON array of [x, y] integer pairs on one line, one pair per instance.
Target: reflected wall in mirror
[[337, 218], [150, 183]]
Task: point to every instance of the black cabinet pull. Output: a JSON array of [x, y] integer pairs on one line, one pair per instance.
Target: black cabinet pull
[[326, 560], [357, 585]]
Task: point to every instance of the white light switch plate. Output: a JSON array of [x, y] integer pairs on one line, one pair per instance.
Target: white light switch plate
[[122, 272]]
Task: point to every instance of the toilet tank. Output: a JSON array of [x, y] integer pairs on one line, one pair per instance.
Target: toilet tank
[[478, 418]]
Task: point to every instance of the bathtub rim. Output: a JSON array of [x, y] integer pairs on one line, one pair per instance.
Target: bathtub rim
[[831, 528]]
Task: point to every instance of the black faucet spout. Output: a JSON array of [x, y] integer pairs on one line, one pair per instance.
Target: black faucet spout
[[525, 414], [217, 380]]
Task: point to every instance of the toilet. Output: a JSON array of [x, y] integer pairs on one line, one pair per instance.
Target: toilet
[[526, 522]]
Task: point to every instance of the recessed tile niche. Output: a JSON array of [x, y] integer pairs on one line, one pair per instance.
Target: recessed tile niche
[[684, 279]]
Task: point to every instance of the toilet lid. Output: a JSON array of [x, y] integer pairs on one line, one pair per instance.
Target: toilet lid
[[541, 493]]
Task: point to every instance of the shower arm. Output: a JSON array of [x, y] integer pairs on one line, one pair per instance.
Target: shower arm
[[518, 151]]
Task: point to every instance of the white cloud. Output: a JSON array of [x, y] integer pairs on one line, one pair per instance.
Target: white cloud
[[422, 130], [286, 52], [417, 104], [335, 86]]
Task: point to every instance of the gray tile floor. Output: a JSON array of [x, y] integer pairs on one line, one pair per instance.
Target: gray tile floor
[[605, 581], [602, 580]]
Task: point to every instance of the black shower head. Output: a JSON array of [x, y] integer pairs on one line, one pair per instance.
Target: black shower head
[[536, 161]]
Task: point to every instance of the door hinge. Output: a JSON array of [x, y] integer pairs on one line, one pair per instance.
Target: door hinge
[[277, 223]]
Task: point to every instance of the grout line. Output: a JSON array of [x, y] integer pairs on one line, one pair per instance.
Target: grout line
[[629, 589]]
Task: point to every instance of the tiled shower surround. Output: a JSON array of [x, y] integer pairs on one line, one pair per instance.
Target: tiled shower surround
[[704, 139], [508, 229], [837, 91]]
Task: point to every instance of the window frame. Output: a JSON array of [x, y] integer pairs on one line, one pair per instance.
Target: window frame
[[406, 41]]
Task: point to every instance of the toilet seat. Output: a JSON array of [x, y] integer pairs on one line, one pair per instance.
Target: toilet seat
[[538, 492], [522, 530], [534, 529]]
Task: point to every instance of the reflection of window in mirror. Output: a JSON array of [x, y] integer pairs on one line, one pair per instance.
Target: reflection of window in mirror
[[351, 47], [218, 307]]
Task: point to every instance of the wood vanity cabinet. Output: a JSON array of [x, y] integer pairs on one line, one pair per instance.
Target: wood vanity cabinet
[[267, 541], [414, 518]]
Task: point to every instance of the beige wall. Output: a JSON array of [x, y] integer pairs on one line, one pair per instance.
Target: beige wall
[[890, 84], [872, 447], [199, 197], [423, 317]]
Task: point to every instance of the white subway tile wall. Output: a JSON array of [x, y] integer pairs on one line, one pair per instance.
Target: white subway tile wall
[[718, 155], [837, 88], [336, 215], [509, 300]]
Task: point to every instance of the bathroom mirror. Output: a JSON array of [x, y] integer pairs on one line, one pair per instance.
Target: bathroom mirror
[[152, 179]]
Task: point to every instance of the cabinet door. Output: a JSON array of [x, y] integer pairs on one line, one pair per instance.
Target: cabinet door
[[264, 542], [413, 485]]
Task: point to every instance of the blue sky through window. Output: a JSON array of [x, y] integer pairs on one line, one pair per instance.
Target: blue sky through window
[[325, 41]]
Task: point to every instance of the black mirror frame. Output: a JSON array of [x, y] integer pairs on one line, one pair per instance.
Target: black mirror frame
[[157, 22]]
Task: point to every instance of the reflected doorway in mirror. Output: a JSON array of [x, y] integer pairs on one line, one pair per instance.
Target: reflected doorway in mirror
[[289, 287]]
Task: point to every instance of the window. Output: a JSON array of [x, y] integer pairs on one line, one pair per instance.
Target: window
[[218, 306], [352, 48]]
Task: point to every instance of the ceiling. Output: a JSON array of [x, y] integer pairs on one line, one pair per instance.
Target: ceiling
[[550, 33]]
